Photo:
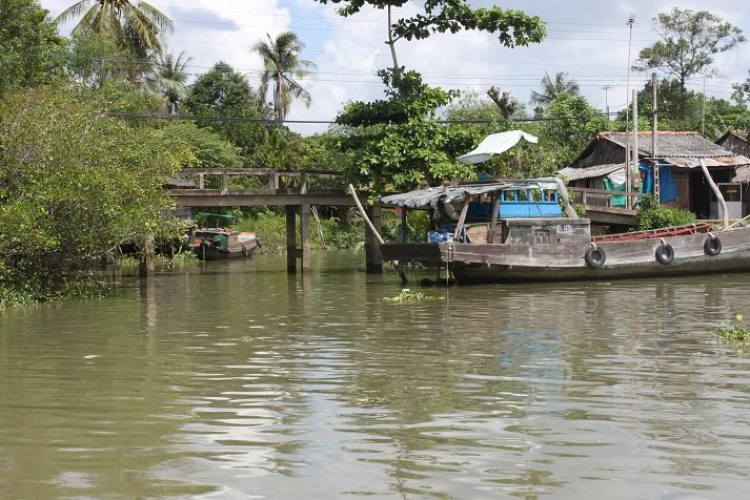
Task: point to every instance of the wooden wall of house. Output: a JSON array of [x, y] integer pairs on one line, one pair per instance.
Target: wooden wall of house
[[682, 179], [735, 144], [602, 152]]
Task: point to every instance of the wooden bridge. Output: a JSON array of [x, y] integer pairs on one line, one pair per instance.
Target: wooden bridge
[[296, 190]]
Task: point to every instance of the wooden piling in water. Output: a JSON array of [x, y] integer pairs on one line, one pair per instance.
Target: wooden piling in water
[[291, 239], [373, 256], [305, 233]]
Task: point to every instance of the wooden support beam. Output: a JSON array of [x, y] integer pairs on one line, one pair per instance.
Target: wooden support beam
[[291, 239], [305, 232], [462, 219], [495, 215], [201, 181], [224, 182], [373, 255]]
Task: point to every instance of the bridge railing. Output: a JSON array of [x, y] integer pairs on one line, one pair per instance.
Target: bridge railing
[[600, 198], [269, 178]]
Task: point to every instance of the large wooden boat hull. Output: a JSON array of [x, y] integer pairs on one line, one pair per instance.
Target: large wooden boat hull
[[563, 262]]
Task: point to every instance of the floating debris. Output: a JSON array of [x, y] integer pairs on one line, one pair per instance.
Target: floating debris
[[407, 295], [735, 333]]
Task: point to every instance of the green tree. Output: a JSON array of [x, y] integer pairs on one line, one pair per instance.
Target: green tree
[[551, 89], [513, 27], [403, 145], [689, 42], [207, 148], [133, 24], [168, 77], [281, 67], [30, 49], [73, 185], [95, 60], [741, 93], [223, 91]]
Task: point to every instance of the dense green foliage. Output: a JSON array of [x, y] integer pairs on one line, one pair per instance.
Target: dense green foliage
[[653, 215], [30, 48], [404, 145], [73, 185]]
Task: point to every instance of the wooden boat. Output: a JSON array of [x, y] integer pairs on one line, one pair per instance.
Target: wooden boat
[[219, 244], [511, 248]]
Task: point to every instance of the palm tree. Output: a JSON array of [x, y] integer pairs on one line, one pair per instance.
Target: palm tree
[[169, 77], [132, 24], [551, 89], [282, 64]]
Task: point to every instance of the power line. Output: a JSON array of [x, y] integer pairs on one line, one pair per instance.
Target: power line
[[229, 119]]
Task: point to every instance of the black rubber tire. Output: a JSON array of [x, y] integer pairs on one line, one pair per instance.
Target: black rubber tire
[[665, 254], [712, 246], [596, 257]]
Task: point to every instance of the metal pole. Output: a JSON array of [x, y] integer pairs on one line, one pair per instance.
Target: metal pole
[[703, 121], [634, 170], [654, 135], [630, 23]]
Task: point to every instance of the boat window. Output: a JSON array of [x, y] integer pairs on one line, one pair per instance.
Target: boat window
[[536, 195], [550, 195]]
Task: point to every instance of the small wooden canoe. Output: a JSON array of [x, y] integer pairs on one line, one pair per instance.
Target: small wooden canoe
[[219, 244]]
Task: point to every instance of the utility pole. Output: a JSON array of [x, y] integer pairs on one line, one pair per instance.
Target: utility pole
[[630, 23], [606, 103], [654, 135], [634, 169], [703, 121]]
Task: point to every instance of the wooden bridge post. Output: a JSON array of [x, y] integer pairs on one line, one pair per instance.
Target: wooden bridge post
[[291, 239], [305, 233], [373, 256]]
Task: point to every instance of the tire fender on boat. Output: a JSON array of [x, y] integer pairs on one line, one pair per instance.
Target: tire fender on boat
[[712, 246], [664, 253], [595, 256]]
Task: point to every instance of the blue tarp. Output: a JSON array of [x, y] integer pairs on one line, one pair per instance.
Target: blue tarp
[[667, 184]]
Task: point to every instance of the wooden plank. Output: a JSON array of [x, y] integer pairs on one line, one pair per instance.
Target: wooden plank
[[461, 219], [291, 239], [305, 233], [495, 215], [373, 254], [259, 197]]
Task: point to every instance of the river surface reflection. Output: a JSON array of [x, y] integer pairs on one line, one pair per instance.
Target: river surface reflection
[[237, 381]]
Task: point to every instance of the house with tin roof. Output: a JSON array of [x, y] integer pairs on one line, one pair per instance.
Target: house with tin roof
[[682, 183]]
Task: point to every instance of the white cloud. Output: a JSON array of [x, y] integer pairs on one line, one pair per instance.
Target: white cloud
[[348, 52]]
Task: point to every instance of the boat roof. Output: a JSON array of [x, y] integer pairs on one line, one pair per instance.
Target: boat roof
[[449, 194], [216, 230], [218, 216]]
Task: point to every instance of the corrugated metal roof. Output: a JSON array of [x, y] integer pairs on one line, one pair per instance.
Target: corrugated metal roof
[[575, 174], [720, 161], [671, 144]]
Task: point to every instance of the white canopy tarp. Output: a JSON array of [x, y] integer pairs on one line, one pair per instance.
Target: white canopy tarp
[[496, 144]]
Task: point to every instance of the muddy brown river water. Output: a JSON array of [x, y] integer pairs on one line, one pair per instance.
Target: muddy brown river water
[[236, 381]]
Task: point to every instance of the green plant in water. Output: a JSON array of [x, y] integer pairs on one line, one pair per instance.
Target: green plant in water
[[736, 332], [407, 295]]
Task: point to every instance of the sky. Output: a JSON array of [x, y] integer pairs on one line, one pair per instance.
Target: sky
[[588, 39]]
